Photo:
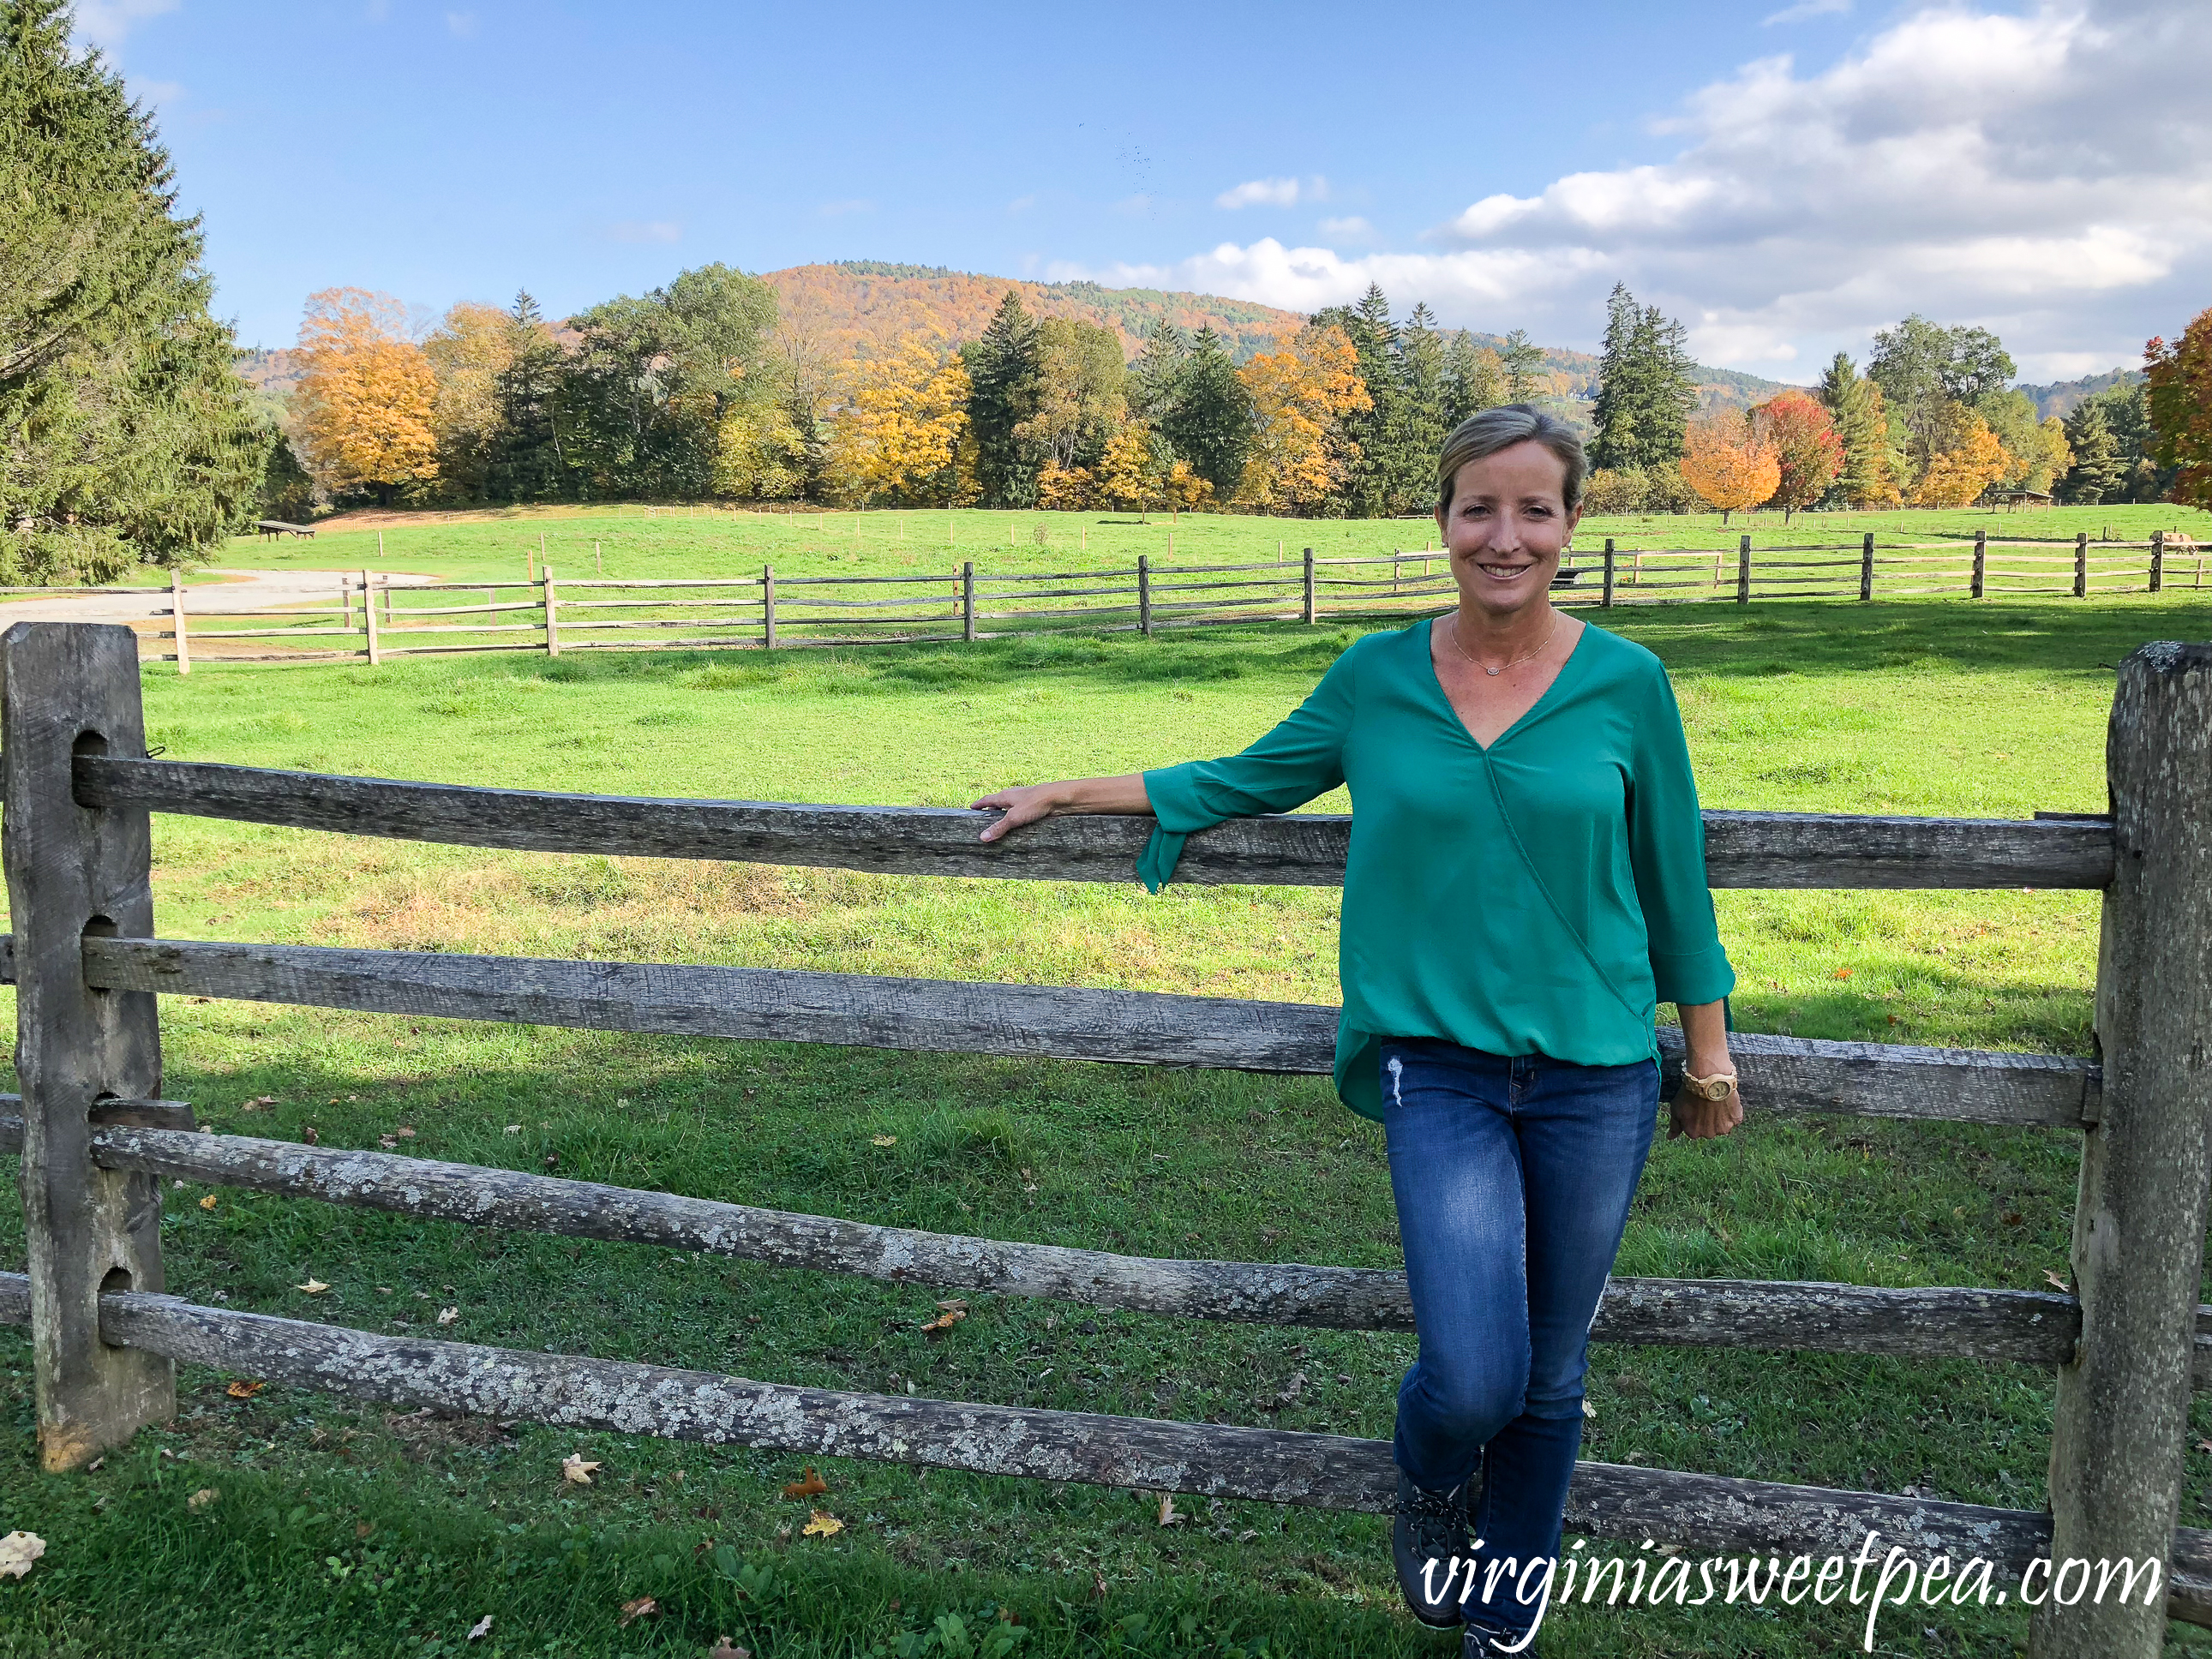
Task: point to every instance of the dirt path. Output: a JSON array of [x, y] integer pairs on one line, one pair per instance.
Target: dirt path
[[248, 590]]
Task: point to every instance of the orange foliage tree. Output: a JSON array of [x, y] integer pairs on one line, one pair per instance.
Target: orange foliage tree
[[1300, 396], [1808, 453], [1972, 460], [1730, 464], [368, 400], [2180, 398]]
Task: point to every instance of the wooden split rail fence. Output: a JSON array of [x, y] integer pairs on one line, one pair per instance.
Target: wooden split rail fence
[[96, 1138]]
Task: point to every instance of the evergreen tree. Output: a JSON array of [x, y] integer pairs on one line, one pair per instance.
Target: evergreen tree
[[525, 464], [1646, 387], [1002, 369], [2099, 467], [1614, 412], [1157, 375], [1381, 435], [1523, 362], [1854, 405], [1210, 423], [1421, 373], [130, 436], [1474, 378]]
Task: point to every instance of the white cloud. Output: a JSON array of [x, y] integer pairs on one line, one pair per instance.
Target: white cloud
[[838, 209], [1804, 9], [2048, 175], [103, 23], [646, 230], [1273, 192], [461, 24]]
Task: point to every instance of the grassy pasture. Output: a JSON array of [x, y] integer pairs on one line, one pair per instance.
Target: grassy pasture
[[342, 1530]]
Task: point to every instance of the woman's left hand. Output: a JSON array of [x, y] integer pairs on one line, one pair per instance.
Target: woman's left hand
[[1692, 1115]]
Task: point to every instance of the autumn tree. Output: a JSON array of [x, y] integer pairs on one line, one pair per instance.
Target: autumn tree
[[366, 404], [2179, 396], [1300, 398], [1923, 367], [468, 353], [1807, 451], [128, 435], [1969, 459], [899, 440], [1080, 402], [1730, 464]]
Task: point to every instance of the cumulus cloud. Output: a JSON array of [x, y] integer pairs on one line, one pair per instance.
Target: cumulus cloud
[[2047, 175], [646, 230], [104, 23], [1272, 192]]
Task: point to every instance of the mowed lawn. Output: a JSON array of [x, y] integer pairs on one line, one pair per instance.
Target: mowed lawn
[[340, 1529]]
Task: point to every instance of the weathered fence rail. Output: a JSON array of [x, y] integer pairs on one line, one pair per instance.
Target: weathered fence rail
[[95, 1138]]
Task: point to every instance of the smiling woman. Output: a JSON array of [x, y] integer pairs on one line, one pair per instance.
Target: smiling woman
[[1526, 882]]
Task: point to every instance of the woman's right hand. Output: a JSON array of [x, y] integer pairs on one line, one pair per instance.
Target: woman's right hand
[[1024, 804]]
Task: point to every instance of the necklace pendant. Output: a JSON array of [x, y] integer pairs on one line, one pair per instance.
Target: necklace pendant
[[1493, 672]]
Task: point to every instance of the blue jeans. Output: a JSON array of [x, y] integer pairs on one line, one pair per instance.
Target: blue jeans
[[1513, 1178]]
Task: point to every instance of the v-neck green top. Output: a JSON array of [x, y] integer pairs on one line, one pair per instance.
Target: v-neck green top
[[1542, 896]]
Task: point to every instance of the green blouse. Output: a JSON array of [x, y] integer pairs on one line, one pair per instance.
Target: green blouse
[[1541, 896]]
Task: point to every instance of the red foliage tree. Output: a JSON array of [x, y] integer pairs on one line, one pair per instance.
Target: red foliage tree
[[1805, 446], [2181, 398]]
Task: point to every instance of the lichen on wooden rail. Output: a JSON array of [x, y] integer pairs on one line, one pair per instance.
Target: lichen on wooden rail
[[1743, 849]]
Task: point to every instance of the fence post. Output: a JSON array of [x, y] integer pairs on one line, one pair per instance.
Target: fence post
[[177, 620], [2081, 564], [2123, 1404], [1981, 561], [71, 689], [1308, 606], [2157, 561], [1607, 602], [552, 624], [767, 607], [1743, 572], [1143, 593], [968, 601], [1866, 570], [369, 619]]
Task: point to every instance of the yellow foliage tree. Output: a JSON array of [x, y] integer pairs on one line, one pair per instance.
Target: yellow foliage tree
[[1730, 464], [760, 454], [472, 347], [1972, 460], [1300, 396], [899, 436], [368, 400]]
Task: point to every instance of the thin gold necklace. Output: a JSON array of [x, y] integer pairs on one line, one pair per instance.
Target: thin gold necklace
[[1451, 638]]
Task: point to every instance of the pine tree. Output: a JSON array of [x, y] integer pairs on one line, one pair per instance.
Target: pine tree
[[1421, 373], [1156, 374], [130, 436], [1854, 404], [1002, 371], [1646, 387], [1523, 362], [2099, 467], [1211, 423], [1614, 411], [1380, 433], [525, 465], [1474, 379]]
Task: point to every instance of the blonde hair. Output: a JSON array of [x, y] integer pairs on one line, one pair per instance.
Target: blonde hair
[[1501, 427]]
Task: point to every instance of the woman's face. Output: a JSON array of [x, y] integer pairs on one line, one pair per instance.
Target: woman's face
[[1506, 524]]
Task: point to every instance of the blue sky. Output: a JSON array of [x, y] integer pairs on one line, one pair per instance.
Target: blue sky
[[1784, 178]]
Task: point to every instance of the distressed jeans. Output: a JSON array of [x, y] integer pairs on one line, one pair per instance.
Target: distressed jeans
[[1513, 1178]]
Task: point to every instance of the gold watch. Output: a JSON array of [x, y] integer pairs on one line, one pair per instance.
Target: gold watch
[[1715, 1087]]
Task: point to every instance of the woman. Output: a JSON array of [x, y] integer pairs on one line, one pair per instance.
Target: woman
[[1526, 882]]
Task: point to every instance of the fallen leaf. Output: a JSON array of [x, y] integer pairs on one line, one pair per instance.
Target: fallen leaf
[[17, 1550], [245, 1390], [201, 1499], [384, 1290], [949, 1315], [576, 1469], [386, 1142], [726, 1649], [883, 1140], [1843, 973], [2056, 1282], [311, 1135], [643, 1607], [2204, 1445], [809, 1488], [482, 1627], [1589, 1411], [209, 1202], [1097, 1585], [447, 1315], [822, 1524], [515, 1128], [1170, 1515], [313, 1287], [404, 1132]]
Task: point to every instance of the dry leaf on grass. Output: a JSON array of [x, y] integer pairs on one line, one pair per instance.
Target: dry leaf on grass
[[515, 1128], [17, 1550], [201, 1499], [242, 1389], [883, 1140], [2056, 1282], [313, 1287], [726, 1649], [812, 1486], [386, 1142], [949, 1313], [1170, 1515], [209, 1202], [642, 1607], [576, 1469], [405, 1132], [822, 1524], [481, 1628], [447, 1315]]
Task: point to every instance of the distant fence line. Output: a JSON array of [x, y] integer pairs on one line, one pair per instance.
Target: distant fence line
[[553, 614]]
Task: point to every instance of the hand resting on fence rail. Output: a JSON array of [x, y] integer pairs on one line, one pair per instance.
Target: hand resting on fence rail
[[2035, 1327], [1743, 849], [1280, 1466], [1036, 1022]]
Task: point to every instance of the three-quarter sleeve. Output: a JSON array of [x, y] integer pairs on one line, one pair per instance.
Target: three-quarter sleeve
[[1302, 757], [1666, 850]]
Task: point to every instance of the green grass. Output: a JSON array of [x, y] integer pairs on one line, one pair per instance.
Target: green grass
[[349, 1530]]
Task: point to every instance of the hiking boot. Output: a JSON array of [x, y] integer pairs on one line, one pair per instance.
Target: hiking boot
[[1428, 1544]]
